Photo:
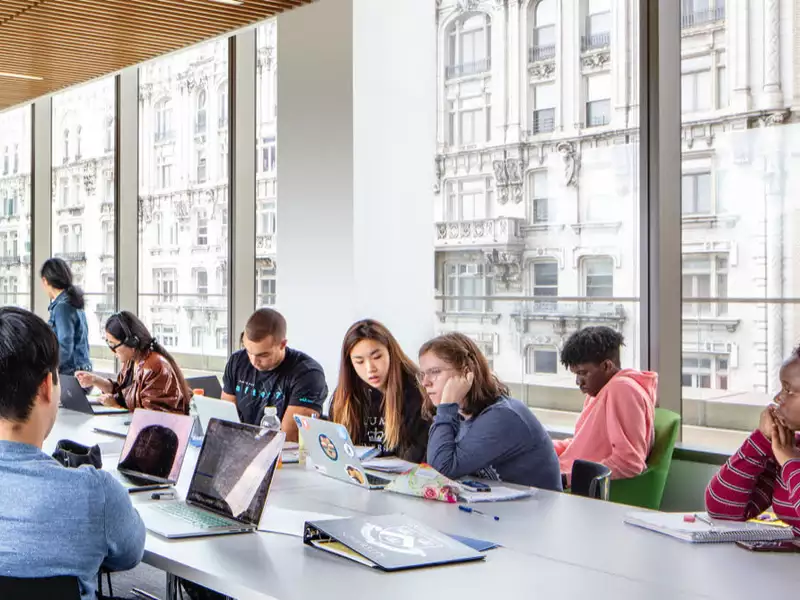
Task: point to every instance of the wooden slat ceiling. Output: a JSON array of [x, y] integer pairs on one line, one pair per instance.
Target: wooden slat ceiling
[[66, 42]]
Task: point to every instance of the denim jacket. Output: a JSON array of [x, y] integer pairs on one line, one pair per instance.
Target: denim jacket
[[72, 332]]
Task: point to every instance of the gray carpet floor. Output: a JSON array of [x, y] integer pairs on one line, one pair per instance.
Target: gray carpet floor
[[144, 577]]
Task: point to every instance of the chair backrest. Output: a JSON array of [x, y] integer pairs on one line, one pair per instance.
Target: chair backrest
[[63, 587], [647, 490], [590, 479]]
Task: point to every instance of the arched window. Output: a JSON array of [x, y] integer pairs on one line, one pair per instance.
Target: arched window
[[543, 44], [78, 133], [469, 46], [164, 120], [201, 121], [65, 147]]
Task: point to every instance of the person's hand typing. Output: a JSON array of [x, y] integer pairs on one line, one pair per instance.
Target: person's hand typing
[[108, 400], [457, 388]]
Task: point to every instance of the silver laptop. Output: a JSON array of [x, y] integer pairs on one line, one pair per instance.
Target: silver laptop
[[209, 408], [333, 453], [229, 486], [74, 397], [154, 449]]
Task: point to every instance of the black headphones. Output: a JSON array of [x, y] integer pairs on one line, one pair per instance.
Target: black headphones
[[132, 341]]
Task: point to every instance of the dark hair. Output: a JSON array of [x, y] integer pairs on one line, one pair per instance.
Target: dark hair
[[59, 276], [129, 329], [352, 395], [592, 345], [264, 323], [464, 355], [28, 353], [152, 452]]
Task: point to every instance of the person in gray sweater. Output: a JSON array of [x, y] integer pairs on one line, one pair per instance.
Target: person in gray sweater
[[478, 429]]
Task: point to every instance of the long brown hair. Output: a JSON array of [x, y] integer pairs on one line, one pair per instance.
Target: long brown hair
[[352, 393], [464, 355]]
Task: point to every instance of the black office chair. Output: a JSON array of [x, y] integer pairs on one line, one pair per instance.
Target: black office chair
[[53, 588], [591, 480]]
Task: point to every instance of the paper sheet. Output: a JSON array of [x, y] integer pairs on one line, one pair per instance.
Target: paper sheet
[[389, 464], [289, 522], [498, 494]]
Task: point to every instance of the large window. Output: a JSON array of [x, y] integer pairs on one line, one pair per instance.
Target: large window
[[15, 207], [83, 198], [184, 200], [467, 200], [598, 100], [469, 46], [469, 285], [543, 42]]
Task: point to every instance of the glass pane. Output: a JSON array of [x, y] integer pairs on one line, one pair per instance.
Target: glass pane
[[15, 207], [183, 203], [83, 166]]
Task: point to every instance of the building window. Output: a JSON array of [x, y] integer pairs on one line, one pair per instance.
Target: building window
[[543, 44], [77, 238], [222, 280], [201, 283], [704, 371], [696, 193], [14, 243], [722, 82], [76, 190], [78, 142], [267, 222], [467, 199], [705, 276], [163, 121], [165, 281], [222, 338], [469, 118], [700, 12], [63, 232], [197, 337], [696, 93], [597, 32], [164, 171], [223, 160], [202, 228], [222, 102], [541, 361], [109, 134], [65, 145], [16, 158], [266, 287], [538, 202], [462, 283], [108, 238], [545, 283], [201, 122], [6, 160], [599, 272], [64, 187], [598, 100], [174, 232], [469, 46], [544, 111], [10, 203], [268, 155], [202, 171], [109, 284], [166, 334]]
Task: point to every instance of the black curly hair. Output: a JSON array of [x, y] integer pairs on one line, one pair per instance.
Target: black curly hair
[[592, 345]]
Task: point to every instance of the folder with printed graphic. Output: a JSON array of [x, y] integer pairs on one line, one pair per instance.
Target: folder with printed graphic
[[699, 527], [388, 542]]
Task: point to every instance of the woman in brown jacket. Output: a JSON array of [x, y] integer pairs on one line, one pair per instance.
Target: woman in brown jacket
[[149, 378]]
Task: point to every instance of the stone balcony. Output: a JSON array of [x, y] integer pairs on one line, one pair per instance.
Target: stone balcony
[[500, 232]]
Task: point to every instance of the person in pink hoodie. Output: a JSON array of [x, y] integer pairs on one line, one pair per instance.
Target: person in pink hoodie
[[615, 427]]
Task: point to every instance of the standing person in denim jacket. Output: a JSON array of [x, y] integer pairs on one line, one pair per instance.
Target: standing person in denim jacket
[[67, 317]]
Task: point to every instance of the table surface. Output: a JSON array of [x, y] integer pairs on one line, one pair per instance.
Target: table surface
[[552, 544]]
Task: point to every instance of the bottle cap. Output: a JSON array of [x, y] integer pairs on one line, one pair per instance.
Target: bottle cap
[[199, 392], [271, 411]]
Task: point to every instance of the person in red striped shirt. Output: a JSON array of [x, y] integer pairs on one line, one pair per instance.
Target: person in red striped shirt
[[766, 469]]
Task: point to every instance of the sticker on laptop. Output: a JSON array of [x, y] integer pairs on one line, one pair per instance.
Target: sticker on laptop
[[355, 474], [328, 447], [348, 449], [342, 431]]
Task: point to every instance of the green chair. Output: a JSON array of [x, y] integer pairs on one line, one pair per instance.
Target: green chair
[[647, 489]]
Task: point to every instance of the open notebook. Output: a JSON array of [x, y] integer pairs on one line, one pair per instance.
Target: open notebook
[[705, 529]]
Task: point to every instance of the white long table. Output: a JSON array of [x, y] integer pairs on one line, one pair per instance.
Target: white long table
[[553, 545]]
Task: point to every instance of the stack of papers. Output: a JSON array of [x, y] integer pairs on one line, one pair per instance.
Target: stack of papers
[[388, 464], [497, 494]]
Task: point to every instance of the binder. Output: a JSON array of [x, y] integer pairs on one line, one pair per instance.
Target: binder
[[387, 542], [700, 528]]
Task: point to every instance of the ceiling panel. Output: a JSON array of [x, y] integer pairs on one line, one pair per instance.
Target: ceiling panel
[[65, 42]]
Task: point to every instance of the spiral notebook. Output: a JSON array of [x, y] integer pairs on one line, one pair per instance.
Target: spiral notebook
[[700, 528]]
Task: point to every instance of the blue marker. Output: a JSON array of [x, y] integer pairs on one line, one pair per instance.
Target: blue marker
[[469, 509]]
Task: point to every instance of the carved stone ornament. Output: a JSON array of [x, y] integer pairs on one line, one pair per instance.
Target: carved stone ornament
[[596, 61], [569, 153], [774, 118], [543, 70], [181, 209], [439, 166], [508, 179], [146, 208], [468, 5], [506, 269]]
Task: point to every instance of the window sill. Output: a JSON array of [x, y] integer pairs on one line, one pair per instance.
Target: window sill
[[541, 227], [598, 225], [482, 317], [702, 221], [731, 325]]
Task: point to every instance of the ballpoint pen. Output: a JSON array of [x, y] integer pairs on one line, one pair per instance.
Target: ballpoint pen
[[469, 509]]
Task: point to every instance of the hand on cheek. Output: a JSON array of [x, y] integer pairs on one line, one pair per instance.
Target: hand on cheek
[[456, 389]]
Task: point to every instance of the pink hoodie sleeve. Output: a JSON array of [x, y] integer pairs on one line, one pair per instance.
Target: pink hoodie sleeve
[[561, 445], [630, 421]]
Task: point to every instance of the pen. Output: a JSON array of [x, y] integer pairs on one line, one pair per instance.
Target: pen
[[469, 509]]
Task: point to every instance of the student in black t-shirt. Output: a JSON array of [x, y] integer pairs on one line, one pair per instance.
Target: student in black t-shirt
[[267, 373], [378, 397]]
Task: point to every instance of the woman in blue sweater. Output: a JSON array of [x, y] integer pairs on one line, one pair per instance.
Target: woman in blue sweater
[[67, 317], [478, 429]]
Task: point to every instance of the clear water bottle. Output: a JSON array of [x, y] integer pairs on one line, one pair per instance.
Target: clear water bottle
[[196, 437], [271, 422]]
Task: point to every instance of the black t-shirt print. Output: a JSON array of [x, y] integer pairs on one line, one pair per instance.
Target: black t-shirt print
[[374, 420], [298, 381]]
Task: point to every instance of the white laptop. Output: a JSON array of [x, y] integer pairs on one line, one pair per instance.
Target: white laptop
[[229, 486], [154, 449], [209, 408], [333, 453]]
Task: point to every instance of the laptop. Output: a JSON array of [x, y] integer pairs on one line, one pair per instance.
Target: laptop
[[73, 397], [154, 449], [209, 408], [229, 486], [208, 383], [333, 453]]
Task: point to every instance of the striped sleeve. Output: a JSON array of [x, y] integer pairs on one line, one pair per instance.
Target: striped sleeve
[[743, 487], [787, 495]]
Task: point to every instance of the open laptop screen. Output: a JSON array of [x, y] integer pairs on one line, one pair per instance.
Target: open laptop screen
[[234, 470], [155, 445]]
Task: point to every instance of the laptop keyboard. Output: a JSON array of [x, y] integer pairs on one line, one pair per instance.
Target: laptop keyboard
[[193, 516], [375, 480]]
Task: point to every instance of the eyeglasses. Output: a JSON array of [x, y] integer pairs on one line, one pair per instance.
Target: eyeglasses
[[432, 374], [113, 347]]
